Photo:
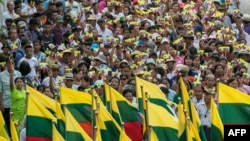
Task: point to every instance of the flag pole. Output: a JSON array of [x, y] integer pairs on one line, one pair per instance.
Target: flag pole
[[65, 108], [93, 114], [97, 104], [147, 115]]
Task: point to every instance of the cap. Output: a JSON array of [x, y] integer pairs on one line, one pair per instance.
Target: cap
[[124, 61], [98, 83], [21, 24], [150, 61], [59, 18], [52, 46]]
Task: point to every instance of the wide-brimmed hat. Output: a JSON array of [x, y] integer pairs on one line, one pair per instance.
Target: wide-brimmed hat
[[92, 17], [124, 61], [69, 76], [101, 58], [54, 66], [182, 68]]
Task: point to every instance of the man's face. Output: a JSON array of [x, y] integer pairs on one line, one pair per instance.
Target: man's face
[[29, 52]]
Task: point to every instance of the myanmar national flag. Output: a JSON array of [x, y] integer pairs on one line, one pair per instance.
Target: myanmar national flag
[[233, 105], [127, 114], [163, 126], [13, 130], [52, 105], [49, 103], [217, 128], [3, 129], [74, 132], [80, 106], [39, 122], [56, 135], [155, 94], [109, 128], [192, 133], [191, 110], [182, 123]]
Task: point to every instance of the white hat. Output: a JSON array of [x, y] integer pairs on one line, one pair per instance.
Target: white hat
[[150, 61], [246, 17], [164, 40]]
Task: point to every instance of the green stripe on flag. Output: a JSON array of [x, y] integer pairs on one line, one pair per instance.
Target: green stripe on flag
[[127, 113], [81, 112], [61, 127], [166, 134], [111, 133], [74, 136], [216, 134], [234, 113], [161, 103], [39, 127]]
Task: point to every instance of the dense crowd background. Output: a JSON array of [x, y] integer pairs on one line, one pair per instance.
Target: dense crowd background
[[84, 44]]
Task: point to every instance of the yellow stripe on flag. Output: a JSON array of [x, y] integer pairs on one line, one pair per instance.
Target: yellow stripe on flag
[[73, 126], [230, 95], [3, 128], [56, 136], [13, 130]]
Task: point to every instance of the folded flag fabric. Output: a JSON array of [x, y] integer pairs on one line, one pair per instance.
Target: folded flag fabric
[[3, 129], [217, 128]]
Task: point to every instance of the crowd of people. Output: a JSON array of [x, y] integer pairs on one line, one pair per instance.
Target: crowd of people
[[84, 44]]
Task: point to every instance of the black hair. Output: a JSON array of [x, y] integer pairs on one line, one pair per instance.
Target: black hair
[[86, 78], [164, 90], [76, 70], [28, 46], [128, 91], [18, 78]]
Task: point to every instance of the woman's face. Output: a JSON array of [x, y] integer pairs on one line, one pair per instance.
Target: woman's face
[[78, 75], [210, 81], [115, 83], [219, 70], [196, 61], [47, 92], [166, 83], [234, 84], [129, 96], [188, 61], [19, 83], [125, 11]]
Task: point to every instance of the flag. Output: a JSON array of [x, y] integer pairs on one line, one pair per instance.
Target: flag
[[163, 126], [114, 111], [80, 106], [217, 128], [56, 135], [154, 93], [3, 129], [192, 133], [182, 123], [109, 128], [60, 124], [74, 132], [52, 105], [39, 121], [106, 97], [233, 101], [127, 113], [13, 131], [44, 100], [191, 110]]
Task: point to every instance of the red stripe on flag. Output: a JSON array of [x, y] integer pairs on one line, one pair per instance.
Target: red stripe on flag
[[87, 127], [133, 130], [38, 139]]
